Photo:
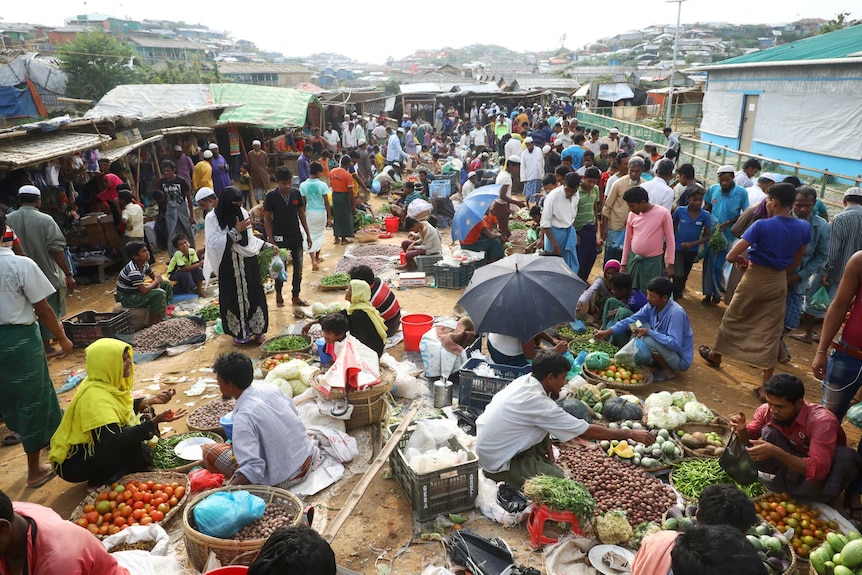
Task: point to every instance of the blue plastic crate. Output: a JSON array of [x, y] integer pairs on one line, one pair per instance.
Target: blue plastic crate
[[478, 390]]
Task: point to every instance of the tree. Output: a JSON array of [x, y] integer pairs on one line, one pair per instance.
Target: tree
[[173, 72], [95, 63], [838, 23]]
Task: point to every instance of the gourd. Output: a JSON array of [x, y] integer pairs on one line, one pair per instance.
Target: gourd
[[577, 408], [619, 408]]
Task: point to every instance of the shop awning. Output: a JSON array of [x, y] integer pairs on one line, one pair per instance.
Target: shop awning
[[263, 106], [115, 154], [184, 130], [35, 149]]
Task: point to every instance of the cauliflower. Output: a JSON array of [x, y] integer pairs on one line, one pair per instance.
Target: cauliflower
[[613, 528], [643, 531]]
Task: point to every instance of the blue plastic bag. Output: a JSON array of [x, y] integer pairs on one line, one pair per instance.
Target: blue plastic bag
[[643, 355], [224, 513]]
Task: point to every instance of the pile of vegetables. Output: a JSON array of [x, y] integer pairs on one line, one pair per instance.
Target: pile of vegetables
[[208, 415], [670, 410], [643, 531], [292, 378], [772, 548], [808, 529], [613, 528], [384, 209], [691, 476], [619, 374], [622, 408], [209, 312], [717, 242], [560, 494], [663, 452], [286, 343], [273, 518], [136, 503], [269, 363], [565, 331], [680, 517], [594, 398], [617, 486], [709, 444], [163, 453], [321, 309], [839, 555], [516, 225], [336, 280], [585, 342]]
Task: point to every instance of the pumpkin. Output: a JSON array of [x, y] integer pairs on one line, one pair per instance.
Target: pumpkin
[[577, 408], [620, 408]]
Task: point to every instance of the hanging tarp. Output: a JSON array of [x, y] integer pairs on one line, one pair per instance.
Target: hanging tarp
[[147, 102], [722, 113], [114, 154], [37, 71], [17, 103], [263, 106], [615, 92]]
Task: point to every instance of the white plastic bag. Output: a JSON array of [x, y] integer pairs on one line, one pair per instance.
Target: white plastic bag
[[418, 206], [338, 444], [406, 385], [486, 502], [138, 533]]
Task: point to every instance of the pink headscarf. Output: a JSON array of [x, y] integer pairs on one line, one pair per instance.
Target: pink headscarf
[[109, 194]]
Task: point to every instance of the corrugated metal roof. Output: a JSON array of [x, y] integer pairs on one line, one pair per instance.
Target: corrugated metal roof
[[35, 149], [167, 43], [261, 68], [845, 43]]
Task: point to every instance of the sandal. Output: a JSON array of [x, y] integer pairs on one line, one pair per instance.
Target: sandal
[[705, 352], [756, 393], [12, 439], [299, 302], [51, 475]]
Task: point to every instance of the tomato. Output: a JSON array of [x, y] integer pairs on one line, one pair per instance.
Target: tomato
[[138, 505], [137, 514], [180, 491], [164, 508], [159, 493], [158, 487], [119, 488], [146, 520], [157, 515], [103, 530], [93, 528], [137, 496], [147, 497], [149, 485], [169, 491], [113, 530], [112, 495], [92, 516], [120, 498], [118, 521], [102, 496], [173, 501], [127, 494], [126, 511], [108, 517], [791, 508], [781, 510], [158, 501], [82, 522]]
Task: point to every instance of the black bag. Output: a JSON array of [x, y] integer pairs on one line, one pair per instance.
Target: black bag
[[737, 463], [511, 499], [484, 556]]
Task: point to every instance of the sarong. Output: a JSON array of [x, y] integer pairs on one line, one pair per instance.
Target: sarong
[[643, 270], [342, 214], [316, 220], [567, 239], [713, 271], [752, 325], [587, 250], [29, 406]]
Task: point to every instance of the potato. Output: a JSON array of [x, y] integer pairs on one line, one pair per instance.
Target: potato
[[690, 441]]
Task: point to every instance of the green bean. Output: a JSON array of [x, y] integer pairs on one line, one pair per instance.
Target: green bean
[[163, 453], [692, 476], [286, 343], [335, 280]]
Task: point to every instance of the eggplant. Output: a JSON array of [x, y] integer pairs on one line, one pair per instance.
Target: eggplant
[[763, 556], [675, 512], [691, 511], [776, 564]]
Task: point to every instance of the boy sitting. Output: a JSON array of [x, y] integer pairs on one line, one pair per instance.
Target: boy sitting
[[185, 268], [134, 292], [624, 301]]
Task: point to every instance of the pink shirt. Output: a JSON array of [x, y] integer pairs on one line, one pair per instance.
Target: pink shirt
[[61, 547], [653, 558], [648, 233], [815, 433]]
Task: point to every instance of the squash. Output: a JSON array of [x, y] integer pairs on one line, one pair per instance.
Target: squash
[[619, 409], [577, 408]]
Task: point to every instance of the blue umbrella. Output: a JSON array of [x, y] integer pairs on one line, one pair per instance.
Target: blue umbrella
[[472, 210], [522, 295]]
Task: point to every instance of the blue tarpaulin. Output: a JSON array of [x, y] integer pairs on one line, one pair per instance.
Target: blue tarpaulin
[[16, 103]]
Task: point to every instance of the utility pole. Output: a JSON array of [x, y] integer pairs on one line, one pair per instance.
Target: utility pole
[[673, 62]]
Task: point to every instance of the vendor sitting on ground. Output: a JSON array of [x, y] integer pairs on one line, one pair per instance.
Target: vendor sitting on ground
[[354, 363], [428, 243], [36, 541], [382, 298], [592, 301], [802, 444], [133, 292], [405, 197], [483, 239], [665, 330], [624, 301], [104, 431], [719, 504], [270, 445], [715, 550], [513, 434], [366, 325], [185, 268], [507, 350]]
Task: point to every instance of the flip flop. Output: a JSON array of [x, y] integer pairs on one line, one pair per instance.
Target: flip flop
[[11, 439], [51, 475], [301, 302], [704, 352], [801, 337]]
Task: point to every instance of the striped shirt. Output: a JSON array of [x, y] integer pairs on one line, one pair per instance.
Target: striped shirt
[[131, 277], [383, 299], [846, 240]]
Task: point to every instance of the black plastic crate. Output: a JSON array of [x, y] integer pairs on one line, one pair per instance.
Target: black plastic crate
[[426, 263], [88, 326], [451, 277], [477, 390], [444, 491]]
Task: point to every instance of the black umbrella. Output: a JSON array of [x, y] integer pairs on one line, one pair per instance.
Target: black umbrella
[[522, 295]]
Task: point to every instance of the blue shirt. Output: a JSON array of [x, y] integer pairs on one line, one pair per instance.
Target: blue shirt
[[727, 206], [816, 253], [314, 190], [774, 241], [303, 167], [577, 155], [690, 230], [669, 328]]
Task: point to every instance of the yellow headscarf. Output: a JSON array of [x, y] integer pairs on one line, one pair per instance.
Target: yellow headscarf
[[360, 298], [103, 398]]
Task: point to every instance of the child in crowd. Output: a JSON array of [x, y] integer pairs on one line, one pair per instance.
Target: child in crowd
[[428, 243], [132, 220], [692, 229], [185, 268], [245, 186], [535, 235], [592, 301], [625, 301]]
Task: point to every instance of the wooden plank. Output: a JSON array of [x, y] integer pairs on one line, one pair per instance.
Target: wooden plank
[[356, 495]]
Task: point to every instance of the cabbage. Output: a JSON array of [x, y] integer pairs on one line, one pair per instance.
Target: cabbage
[[298, 386], [680, 398], [665, 417], [659, 399], [697, 412], [334, 307], [283, 385], [286, 371], [318, 309]]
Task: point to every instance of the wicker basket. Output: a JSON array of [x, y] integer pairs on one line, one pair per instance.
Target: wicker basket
[[193, 425], [369, 405], [231, 551], [596, 380], [560, 336], [367, 235], [189, 466], [723, 430], [305, 350], [155, 476], [306, 357]]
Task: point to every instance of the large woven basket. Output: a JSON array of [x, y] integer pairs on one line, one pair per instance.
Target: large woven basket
[[723, 430], [596, 380], [231, 551], [369, 405], [154, 476], [194, 425]]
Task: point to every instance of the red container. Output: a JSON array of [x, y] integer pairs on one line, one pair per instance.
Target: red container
[[391, 223], [415, 325], [403, 257], [229, 570]]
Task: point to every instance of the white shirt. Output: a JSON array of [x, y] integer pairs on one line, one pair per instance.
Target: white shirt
[[22, 284], [594, 147], [513, 148], [532, 164], [133, 216], [504, 178], [566, 139], [610, 184], [348, 138], [505, 344], [559, 211], [755, 195], [519, 417], [479, 137], [379, 132], [660, 193], [742, 180], [467, 188], [331, 137]]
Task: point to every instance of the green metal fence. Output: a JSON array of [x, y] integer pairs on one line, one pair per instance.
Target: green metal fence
[[707, 157]]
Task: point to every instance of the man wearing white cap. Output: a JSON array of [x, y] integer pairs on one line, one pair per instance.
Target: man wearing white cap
[[221, 170], [532, 170], [258, 168], [612, 140], [757, 192], [469, 185], [44, 243], [202, 176], [208, 201], [331, 137], [185, 165], [500, 207], [348, 137], [394, 151], [479, 138], [726, 201]]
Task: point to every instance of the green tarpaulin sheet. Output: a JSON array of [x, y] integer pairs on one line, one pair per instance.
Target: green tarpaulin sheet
[[264, 106]]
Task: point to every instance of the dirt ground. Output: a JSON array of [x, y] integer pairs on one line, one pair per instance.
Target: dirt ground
[[380, 533]]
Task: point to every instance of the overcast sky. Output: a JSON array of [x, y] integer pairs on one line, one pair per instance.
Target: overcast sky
[[299, 28]]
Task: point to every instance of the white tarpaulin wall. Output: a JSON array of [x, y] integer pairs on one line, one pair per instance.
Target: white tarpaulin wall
[[782, 118], [153, 101], [722, 113]]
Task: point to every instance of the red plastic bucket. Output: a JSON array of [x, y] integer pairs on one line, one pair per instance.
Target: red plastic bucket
[[391, 223], [229, 570], [415, 325]]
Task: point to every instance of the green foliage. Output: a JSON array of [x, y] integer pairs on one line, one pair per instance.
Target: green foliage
[[173, 72], [95, 64], [391, 86], [839, 22]]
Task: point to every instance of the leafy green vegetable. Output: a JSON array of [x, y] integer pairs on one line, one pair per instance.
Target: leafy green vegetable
[[264, 258], [514, 225], [209, 312], [717, 242], [286, 343], [692, 476], [562, 495], [335, 280], [586, 342], [384, 209]]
